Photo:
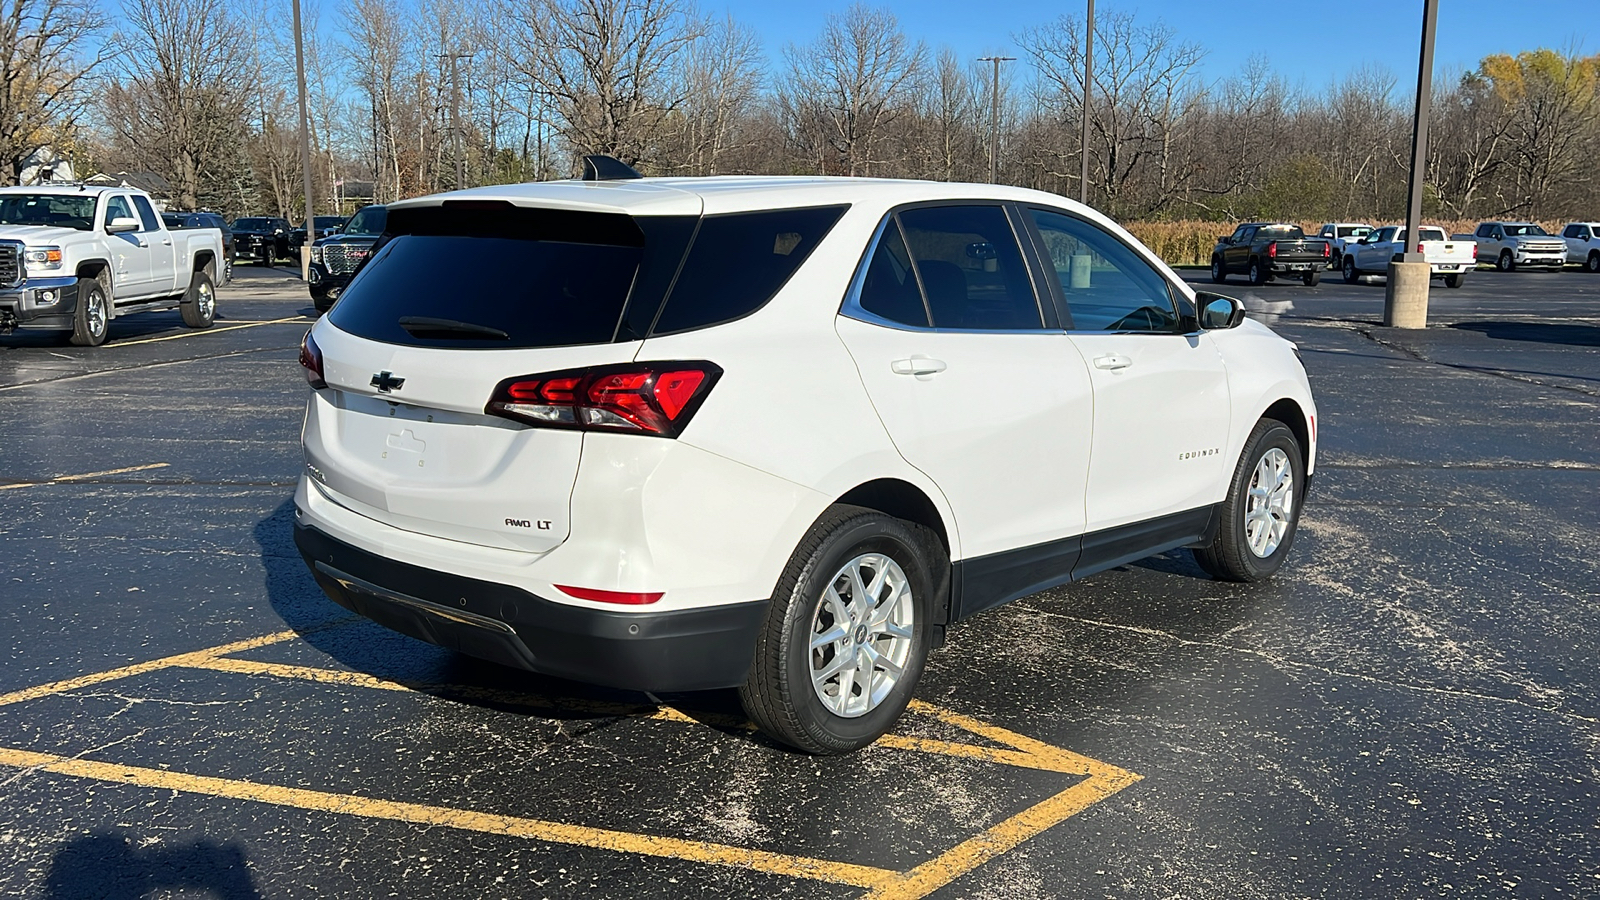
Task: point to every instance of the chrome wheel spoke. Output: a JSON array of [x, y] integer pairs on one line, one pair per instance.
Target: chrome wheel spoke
[[865, 619], [1269, 502], [831, 636]]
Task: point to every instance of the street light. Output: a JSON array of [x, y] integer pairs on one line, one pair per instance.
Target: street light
[[1405, 302], [994, 118], [305, 147], [1088, 81]]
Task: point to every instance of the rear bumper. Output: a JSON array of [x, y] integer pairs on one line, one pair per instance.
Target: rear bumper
[[40, 303], [677, 650], [1297, 266]]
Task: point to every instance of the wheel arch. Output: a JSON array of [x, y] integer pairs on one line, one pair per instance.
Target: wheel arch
[[903, 500], [206, 261], [1291, 414], [97, 269]]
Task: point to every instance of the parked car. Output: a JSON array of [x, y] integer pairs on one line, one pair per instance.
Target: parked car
[[262, 238], [72, 258], [627, 432], [325, 226], [1583, 244], [1265, 250], [1512, 244], [335, 258], [176, 220], [1447, 258], [1340, 235]]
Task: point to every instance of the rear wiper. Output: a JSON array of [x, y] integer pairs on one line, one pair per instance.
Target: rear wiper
[[426, 326]]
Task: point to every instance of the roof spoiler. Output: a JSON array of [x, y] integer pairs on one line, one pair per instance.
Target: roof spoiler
[[599, 167]]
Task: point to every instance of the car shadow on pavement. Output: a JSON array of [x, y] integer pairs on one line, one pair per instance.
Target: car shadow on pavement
[[371, 649], [106, 865], [1539, 332]]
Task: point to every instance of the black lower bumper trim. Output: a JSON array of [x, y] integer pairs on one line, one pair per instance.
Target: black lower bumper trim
[[659, 652]]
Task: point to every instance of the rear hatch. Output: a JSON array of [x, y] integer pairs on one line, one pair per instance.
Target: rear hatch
[[456, 299]]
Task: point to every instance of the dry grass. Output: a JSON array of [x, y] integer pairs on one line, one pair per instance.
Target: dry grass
[[1189, 242]]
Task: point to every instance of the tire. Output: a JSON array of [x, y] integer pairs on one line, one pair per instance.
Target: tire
[[1258, 277], [1454, 280], [199, 304], [781, 695], [1237, 553], [1312, 278], [1505, 263], [1352, 275], [92, 319], [322, 298], [1219, 275], [1592, 264], [1337, 262]]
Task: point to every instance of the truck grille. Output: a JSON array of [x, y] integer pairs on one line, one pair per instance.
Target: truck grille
[[10, 264], [342, 259]]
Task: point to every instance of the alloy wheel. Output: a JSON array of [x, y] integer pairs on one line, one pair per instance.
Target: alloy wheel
[[1271, 505], [861, 635]]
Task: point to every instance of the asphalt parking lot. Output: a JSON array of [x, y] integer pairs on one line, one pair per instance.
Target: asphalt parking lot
[[1410, 709]]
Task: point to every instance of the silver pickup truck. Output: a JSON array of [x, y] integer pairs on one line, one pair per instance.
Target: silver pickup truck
[[1512, 244], [74, 257]]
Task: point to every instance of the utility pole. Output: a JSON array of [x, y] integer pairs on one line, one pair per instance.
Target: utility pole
[[994, 116], [455, 113], [1405, 302], [305, 146], [1088, 85]]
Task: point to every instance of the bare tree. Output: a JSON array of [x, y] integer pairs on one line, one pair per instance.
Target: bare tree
[[844, 90], [721, 82], [43, 64]]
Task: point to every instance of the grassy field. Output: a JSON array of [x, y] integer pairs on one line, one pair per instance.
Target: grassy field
[[1189, 243]]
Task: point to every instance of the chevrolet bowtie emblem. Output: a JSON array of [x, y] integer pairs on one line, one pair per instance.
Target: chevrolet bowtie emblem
[[386, 382]]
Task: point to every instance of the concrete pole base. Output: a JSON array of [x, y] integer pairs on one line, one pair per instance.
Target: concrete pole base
[[305, 260], [1405, 301], [1081, 265]]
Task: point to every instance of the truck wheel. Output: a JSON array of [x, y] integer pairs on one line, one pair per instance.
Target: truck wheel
[[1258, 276], [1337, 262], [1454, 280], [1312, 277], [1351, 273], [1593, 262], [1505, 263], [93, 317], [846, 634], [1262, 509], [1219, 275], [199, 304], [322, 298]]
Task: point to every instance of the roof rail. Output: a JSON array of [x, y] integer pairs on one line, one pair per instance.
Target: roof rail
[[600, 167]]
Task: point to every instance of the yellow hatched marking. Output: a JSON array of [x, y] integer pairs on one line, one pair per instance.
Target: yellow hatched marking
[[1100, 781], [61, 479], [467, 820]]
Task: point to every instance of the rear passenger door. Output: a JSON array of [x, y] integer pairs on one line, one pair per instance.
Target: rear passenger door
[[158, 244], [1161, 402], [976, 386]]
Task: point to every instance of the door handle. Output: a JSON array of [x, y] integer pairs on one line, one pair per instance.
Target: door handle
[[919, 365], [1112, 361], [142, 244], [167, 242]]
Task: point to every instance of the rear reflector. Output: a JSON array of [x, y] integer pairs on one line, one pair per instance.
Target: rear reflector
[[599, 596], [642, 398]]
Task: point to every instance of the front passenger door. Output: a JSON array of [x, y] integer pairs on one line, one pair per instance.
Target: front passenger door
[[1161, 401], [130, 262]]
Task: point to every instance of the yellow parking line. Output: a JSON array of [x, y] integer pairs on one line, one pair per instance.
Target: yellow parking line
[[87, 475], [205, 331], [466, 820]]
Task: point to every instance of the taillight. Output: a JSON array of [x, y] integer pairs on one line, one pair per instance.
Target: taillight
[[1474, 247], [630, 598], [643, 398], [1272, 249], [311, 361], [1419, 248], [1327, 250]]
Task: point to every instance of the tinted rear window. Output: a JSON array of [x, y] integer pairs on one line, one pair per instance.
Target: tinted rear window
[[540, 293], [739, 261]]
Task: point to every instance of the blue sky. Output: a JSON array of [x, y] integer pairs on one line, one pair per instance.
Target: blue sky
[[1318, 43]]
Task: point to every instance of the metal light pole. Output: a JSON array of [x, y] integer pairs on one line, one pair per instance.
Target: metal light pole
[[455, 113], [305, 146], [1406, 295], [994, 116], [1088, 82]]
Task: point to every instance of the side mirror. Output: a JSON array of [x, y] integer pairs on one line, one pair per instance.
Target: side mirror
[[1218, 312], [1225, 239], [122, 225]]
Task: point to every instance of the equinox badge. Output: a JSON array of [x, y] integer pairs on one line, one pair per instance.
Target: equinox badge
[[385, 382]]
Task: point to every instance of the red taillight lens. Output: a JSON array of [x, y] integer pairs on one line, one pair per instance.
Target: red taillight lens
[[1272, 249], [1327, 250], [1474, 247], [645, 398], [311, 362], [1419, 248], [599, 596]]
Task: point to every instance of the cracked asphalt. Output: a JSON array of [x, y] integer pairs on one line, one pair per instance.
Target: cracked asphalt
[[1409, 709]]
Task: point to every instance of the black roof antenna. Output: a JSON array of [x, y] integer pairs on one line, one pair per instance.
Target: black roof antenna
[[599, 167]]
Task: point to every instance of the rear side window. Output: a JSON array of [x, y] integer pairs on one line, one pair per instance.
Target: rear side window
[[740, 261], [489, 292], [970, 266]]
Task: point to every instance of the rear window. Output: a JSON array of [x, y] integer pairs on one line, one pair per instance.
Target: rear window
[[740, 261], [1282, 232]]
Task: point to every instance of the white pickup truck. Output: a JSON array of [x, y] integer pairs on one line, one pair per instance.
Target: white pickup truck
[[1343, 236], [1583, 244], [73, 257], [1447, 258]]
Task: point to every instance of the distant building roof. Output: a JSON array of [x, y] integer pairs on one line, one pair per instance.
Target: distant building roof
[[149, 182]]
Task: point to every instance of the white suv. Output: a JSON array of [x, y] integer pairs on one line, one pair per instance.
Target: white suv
[[775, 433]]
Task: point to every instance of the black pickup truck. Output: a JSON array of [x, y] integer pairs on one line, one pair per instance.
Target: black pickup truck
[[1264, 250]]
